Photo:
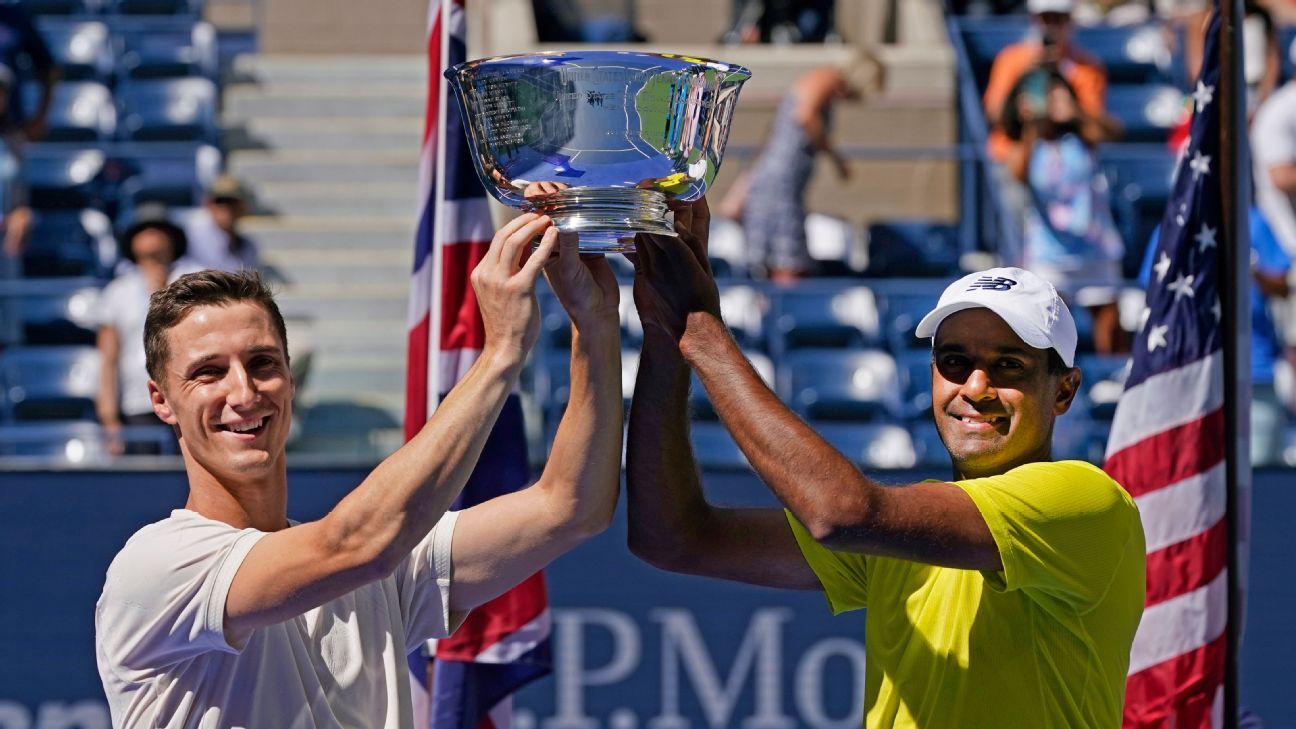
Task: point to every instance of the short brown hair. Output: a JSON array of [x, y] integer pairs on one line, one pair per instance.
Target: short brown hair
[[170, 305]]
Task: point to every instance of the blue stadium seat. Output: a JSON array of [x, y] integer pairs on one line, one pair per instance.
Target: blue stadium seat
[[841, 385], [1103, 382], [700, 401], [62, 178], [985, 37], [187, 8], [1286, 37], [69, 243], [902, 314], [728, 249], [555, 327], [928, 445], [80, 111], [168, 110], [917, 248], [870, 445], [1134, 54], [82, 48], [50, 383], [825, 317], [61, 313], [834, 245], [744, 309], [915, 375], [76, 442], [158, 48], [172, 175], [715, 448], [59, 7], [1141, 186], [551, 381], [1147, 112]]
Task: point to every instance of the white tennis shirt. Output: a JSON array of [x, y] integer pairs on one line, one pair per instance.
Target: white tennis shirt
[[165, 661]]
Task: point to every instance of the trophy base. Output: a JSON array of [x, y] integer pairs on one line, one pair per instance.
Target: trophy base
[[605, 219]]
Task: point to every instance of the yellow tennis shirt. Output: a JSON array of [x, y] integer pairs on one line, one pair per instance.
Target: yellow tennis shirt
[[1042, 644]]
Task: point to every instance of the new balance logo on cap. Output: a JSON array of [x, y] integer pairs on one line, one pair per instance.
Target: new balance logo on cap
[[992, 283]]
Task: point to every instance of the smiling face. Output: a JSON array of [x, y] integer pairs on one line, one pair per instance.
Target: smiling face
[[993, 397], [227, 386]]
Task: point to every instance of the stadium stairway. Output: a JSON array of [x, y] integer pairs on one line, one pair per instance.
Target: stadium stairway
[[329, 147]]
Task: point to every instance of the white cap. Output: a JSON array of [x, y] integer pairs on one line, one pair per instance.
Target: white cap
[[1036, 7], [1026, 302]]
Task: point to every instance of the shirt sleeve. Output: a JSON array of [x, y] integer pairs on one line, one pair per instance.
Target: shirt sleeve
[[844, 575], [164, 599], [1062, 529], [423, 583]]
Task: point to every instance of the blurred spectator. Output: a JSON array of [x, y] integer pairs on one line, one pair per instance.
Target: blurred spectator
[[1050, 47], [1273, 154], [1069, 236], [782, 21], [1273, 149], [156, 249], [1260, 63], [770, 198], [214, 237], [1270, 266], [21, 46]]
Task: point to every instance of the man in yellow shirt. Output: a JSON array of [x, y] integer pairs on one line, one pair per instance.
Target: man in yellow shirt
[[1006, 597]]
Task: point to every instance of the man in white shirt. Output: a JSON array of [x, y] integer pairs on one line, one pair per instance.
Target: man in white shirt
[[213, 231], [1273, 150], [226, 614], [153, 252]]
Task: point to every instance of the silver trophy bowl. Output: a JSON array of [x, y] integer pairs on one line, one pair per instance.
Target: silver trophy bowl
[[597, 140]]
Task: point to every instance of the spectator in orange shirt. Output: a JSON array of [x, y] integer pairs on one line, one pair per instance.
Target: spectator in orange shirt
[[1051, 49]]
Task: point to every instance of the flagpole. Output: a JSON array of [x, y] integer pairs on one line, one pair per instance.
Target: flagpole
[[1235, 321]]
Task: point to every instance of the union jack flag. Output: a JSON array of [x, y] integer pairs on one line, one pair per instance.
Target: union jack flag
[[504, 644], [1167, 445]]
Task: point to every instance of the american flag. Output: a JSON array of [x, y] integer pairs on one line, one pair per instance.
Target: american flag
[[504, 644], [1167, 445]]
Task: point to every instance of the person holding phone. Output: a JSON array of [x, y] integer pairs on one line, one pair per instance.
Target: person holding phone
[[1069, 236]]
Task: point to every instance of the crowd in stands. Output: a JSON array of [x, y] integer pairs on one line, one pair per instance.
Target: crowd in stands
[[110, 187]]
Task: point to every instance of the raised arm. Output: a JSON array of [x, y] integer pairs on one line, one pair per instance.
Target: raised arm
[[671, 524], [936, 523], [375, 526], [503, 541]]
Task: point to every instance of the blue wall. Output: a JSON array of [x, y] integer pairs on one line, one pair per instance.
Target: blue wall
[[632, 644]]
